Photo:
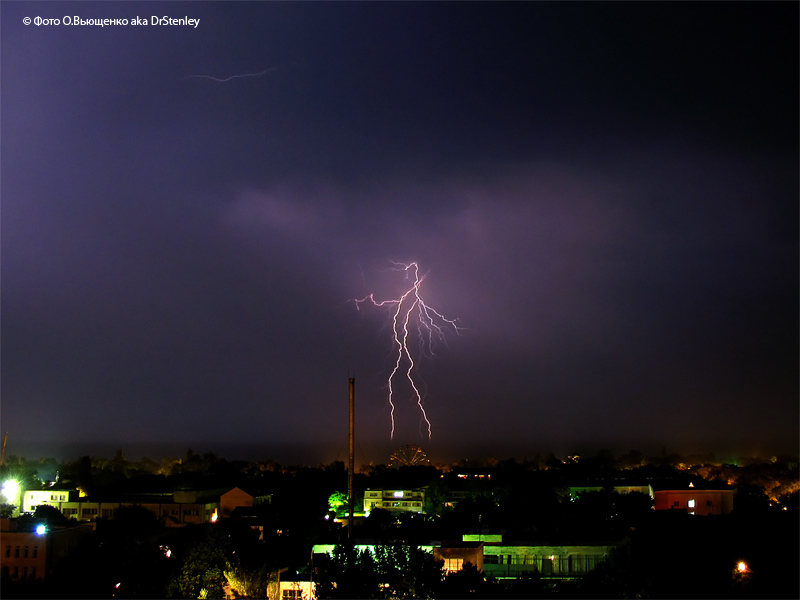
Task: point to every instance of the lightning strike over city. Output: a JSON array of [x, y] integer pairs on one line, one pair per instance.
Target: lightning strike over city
[[431, 326]]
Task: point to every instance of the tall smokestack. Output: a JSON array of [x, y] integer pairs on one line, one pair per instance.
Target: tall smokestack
[[352, 459]]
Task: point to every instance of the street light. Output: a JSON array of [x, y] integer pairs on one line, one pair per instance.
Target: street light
[[11, 490], [741, 567]]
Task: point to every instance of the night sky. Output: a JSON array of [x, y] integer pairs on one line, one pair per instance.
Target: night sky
[[605, 195]]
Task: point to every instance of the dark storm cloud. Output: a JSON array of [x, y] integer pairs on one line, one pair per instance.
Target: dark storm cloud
[[605, 196]]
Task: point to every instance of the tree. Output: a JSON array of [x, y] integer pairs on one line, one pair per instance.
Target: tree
[[252, 581], [393, 571], [347, 573], [435, 497], [408, 571], [50, 514], [469, 582], [338, 502], [203, 567]]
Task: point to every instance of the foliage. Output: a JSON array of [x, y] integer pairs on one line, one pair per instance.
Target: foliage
[[7, 510], [338, 502], [407, 571], [203, 567], [50, 514], [435, 497], [470, 583], [252, 582], [394, 571], [348, 573]]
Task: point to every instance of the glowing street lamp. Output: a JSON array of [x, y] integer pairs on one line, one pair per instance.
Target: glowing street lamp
[[11, 490], [741, 567]]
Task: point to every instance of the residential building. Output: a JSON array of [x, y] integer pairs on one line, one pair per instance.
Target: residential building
[[296, 589], [575, 491], [52, 497], [182, 507], [29, 552], [457, 554], [395, 500], [510, 560], [700, 500]]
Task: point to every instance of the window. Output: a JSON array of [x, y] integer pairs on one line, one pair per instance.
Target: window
[[25, 553], [33, 574], [36, 552], [691, 503], [292, 594], [676, 503], [8, 551], [491, 559], [453, 564], [398, 494], [16, 552], [709, 503]]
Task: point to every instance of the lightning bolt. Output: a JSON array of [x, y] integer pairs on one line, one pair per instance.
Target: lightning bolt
[[232, 77], [431, 326]]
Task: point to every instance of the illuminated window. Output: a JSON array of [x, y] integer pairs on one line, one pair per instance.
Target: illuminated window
[[452, 565], [691, 503], [398, 494]]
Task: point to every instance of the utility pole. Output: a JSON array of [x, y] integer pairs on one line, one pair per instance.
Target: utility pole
[[352, 459]]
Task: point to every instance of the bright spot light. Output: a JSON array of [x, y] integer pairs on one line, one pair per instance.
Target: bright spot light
[[41, 530], [214, 516], [741, 567], [10, 490]]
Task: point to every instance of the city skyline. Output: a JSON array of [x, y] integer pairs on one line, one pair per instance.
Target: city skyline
[[605, 197]]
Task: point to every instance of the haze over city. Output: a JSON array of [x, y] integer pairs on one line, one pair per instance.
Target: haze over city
[[604, 195]]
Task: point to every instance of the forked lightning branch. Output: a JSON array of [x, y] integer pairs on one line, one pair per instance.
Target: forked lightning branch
[[412, 318]]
